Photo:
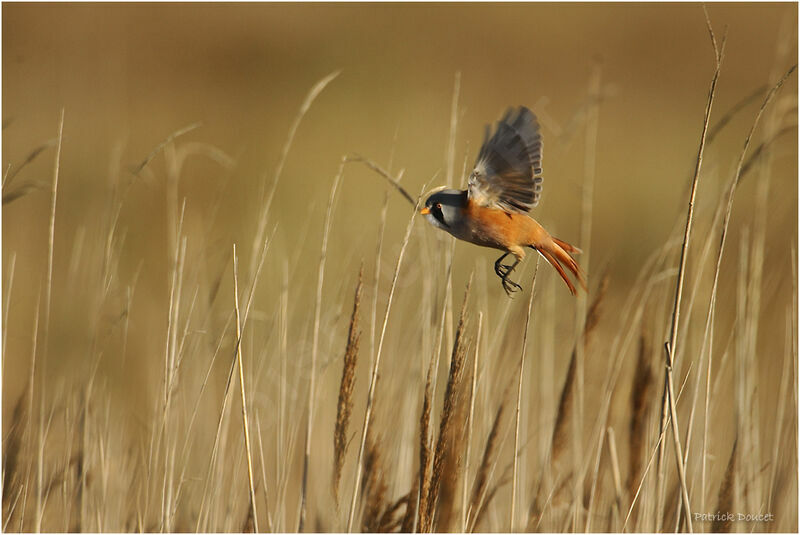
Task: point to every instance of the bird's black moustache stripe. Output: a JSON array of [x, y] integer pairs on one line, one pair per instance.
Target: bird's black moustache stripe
[[436, 210]]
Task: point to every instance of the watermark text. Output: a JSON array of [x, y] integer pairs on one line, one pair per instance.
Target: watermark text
[[727, 516]]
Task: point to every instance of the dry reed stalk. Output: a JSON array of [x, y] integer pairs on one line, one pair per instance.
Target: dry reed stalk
[[641, 389], [409, 519], [429, 395], [746, 402], [20, 191], [560, 430], [12, 263], [344, 406], [30, 389], [389, 522], [470, 420], [373, 488], [447, 311], [729, 197], [280, 449], [716, 219], [12, 508], [505, 477], [248, 524], [421, 448], [375, 369], [587, 495], [589, 492], [661, 479], [385, 174], [671, 504], [520, 375], [136, 169], [378, 256], [266, 203], [218, 437], [546, 388], [794, 367], [656, 449], [429, 391], [451, 397], [314, 347], [380, 514], [8, 177], [448, 502], [451, 138], [497, 337], [245, 425], [560, 435], [491, 494], [81, 470], [669, 403], [534, 522], [557, 445], [11, 456], [761, 149], [48, 300], [786, 483], [483, 473], [587, 197], [449, 169], [612, 451], [784, 47], [786, 373], [425, 453], [12, 194], [631, 314], [726, 495], [446, 510], [733, 111], [203, 385], [259, 434], [188, 442], [752, 293], [593, 315], [176, 261]]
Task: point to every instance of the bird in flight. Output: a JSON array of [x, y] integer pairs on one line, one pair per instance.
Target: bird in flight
[[504, 185]]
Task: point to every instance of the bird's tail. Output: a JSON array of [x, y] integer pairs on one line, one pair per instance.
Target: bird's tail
[[557, 252]]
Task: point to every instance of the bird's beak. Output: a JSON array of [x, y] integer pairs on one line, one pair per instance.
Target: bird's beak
[[425, 210]]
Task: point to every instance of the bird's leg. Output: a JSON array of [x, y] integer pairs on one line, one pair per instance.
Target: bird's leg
[[508, 285], [502, 270]]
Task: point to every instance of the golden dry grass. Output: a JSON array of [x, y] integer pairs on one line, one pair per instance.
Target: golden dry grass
[[146, 389]]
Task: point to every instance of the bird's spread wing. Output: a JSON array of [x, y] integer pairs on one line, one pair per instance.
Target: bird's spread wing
[[508, 172]]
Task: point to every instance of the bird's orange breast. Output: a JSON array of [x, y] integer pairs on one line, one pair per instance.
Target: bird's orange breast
[[493, 227]]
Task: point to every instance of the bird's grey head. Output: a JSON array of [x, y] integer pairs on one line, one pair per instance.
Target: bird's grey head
[[443, 209]]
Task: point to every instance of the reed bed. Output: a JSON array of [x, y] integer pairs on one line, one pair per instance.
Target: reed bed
[[438, 424]]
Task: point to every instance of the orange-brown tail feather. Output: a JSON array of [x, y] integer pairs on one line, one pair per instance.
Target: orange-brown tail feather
[[557, 253], [567, 247], [553, 262]]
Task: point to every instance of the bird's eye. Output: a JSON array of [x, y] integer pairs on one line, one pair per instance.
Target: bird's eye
[[438, 214]]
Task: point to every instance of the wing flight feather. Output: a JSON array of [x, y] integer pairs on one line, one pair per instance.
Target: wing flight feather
[[508, 171]]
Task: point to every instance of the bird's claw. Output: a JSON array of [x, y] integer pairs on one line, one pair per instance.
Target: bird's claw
[[502, 270], [510, 286]]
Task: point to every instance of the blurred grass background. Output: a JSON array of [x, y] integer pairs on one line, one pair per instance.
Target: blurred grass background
[[129, 75]]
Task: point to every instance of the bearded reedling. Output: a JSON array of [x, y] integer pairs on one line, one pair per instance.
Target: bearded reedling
[[504, 185]]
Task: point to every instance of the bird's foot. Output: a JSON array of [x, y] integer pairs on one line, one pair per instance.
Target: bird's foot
[[510, 286], [503, 270]]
